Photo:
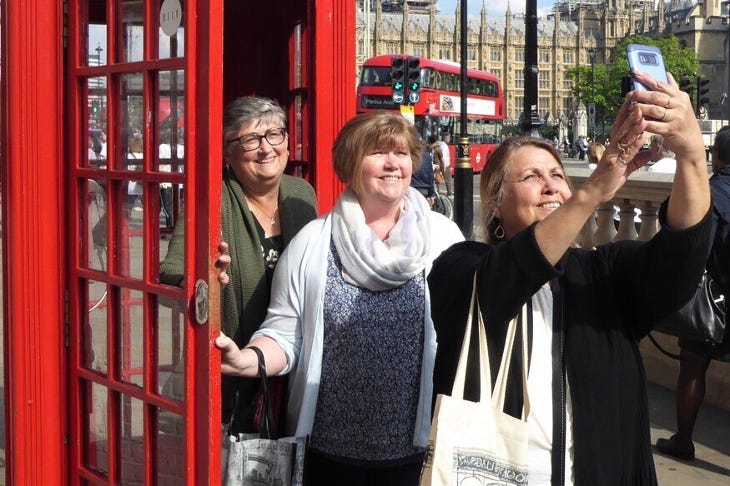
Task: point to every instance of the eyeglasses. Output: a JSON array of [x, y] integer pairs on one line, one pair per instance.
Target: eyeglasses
[[252, 141]]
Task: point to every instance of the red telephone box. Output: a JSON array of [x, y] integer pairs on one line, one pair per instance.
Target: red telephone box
[[111, 131]]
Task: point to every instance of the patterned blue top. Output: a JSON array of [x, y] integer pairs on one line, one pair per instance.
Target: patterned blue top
[[371, 369]]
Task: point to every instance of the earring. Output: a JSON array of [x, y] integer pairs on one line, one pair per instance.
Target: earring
[[499, 231]]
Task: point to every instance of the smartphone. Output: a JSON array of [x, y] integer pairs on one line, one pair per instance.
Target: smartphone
[[646, 59]]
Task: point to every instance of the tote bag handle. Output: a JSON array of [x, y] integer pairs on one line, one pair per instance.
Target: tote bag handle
[[485, 375], [485, 378]]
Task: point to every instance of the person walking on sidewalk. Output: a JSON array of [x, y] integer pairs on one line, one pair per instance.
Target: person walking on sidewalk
[[696, 356], [445, 162]]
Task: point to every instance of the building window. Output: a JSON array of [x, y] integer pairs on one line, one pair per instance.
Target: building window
[[519, 106], [519, 55], [495, 55], [568, 57], [444, 53], [472, 54], [543, 104], [568, 105], [567, 84], [543, 79], [519, 79], [419, 51], [544, 56]]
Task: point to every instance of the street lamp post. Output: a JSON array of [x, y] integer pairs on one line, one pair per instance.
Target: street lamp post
[[592, 116], [463, 172], [530, 119]]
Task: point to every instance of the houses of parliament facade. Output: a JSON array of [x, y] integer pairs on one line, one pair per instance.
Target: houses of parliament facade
[[575, 33]]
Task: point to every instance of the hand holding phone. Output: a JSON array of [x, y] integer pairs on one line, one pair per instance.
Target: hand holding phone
[[648, 60]]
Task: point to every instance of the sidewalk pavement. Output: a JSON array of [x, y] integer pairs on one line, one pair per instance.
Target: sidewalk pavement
[[711, 438]]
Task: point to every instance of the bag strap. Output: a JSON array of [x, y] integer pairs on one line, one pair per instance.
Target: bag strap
[[662, 350], [485, 375], [268, 429], [500, 387], [498, 396]]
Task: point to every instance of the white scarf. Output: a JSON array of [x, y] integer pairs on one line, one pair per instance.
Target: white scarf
[[381, 265]]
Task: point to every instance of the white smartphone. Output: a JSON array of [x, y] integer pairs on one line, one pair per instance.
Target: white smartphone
[[646, 59]]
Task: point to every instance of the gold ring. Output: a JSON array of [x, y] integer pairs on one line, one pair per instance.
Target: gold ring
[[664, 117], [624, 162], [666, 105], [622, 145]]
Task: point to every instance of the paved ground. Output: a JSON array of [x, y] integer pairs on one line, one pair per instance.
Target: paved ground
[[712, 443]]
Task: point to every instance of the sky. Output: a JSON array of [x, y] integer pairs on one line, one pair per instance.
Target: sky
[[495, 8]]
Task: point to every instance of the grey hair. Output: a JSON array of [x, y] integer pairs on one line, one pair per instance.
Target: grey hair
[[248, 110]]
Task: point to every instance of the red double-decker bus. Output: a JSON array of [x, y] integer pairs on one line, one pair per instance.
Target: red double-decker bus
[[439, 110]]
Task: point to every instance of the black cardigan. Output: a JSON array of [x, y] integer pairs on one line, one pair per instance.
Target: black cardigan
[[610, 298]]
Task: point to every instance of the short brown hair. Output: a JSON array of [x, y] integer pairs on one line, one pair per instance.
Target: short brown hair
[[366, 132], [491, 183]]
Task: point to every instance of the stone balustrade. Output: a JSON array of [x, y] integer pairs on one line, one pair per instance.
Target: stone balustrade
[[644, 191]]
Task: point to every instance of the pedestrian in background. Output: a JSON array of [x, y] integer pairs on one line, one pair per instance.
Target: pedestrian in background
[[696, 356], [663, 158], [444, 161], [422, 179], [595, 152]]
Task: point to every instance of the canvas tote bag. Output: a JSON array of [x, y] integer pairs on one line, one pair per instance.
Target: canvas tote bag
[[477, 443]]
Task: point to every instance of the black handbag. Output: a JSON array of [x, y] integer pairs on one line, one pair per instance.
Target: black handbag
[[701, 319]]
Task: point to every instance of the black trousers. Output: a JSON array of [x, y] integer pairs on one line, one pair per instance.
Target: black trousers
[[322, 471]]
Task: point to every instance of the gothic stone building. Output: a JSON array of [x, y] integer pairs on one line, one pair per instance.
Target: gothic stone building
[[575, 31]]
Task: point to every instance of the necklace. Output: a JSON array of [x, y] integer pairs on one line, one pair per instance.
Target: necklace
[[272, 218]]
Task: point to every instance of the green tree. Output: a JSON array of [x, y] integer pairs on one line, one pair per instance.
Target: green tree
[[605, 91]]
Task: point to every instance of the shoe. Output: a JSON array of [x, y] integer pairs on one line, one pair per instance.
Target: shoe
[[676, 447]]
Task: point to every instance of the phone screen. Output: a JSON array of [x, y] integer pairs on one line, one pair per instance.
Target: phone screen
[[646, 59]]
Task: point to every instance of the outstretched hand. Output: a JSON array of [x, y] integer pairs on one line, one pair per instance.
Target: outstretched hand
[[235, 361], [621, 158]]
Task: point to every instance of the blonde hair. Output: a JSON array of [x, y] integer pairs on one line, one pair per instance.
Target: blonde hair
[[595, 152]]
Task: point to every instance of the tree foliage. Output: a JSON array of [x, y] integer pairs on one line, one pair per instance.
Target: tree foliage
[[604, 88]]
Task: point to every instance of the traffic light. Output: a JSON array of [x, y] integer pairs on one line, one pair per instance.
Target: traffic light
[[398, 78], [702, 90], [413, 69], [686, 85]]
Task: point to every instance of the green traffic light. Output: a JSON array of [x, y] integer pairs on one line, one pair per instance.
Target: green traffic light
[[415, 86], [398, 85]]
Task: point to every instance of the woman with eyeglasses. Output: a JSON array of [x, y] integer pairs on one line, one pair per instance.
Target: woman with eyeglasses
[[262, 209], [587, 308], [350, 315]]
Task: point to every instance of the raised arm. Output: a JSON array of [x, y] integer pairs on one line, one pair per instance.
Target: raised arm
[[672, 116], [666, 111]]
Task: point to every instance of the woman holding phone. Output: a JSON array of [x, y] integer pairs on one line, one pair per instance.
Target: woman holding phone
[[587, 308]]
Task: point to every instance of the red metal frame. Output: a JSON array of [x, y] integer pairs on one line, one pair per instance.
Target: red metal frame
[[45, 225], [33, 240]]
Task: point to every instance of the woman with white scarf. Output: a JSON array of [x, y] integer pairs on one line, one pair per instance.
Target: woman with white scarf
[[350, 315]]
